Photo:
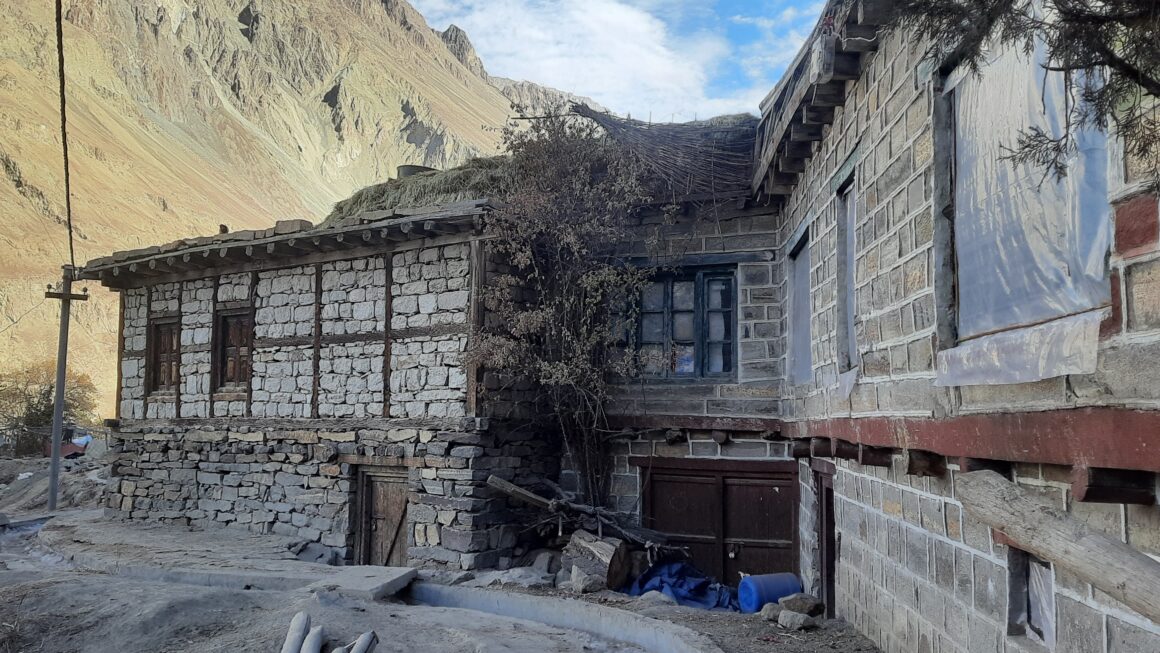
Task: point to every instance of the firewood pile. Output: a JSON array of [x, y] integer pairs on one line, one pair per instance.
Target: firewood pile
[[599, 550]]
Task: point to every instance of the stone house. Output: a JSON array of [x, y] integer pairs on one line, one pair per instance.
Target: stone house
[[310, 382], [882, 306], [916, 308]]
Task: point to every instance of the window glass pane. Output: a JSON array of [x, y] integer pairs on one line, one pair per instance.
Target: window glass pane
[[652, 360], [652, 327], [720, 359], [720, 293], [683, 326], [654, 296], [719, 327], [684, 360], [683, 296]]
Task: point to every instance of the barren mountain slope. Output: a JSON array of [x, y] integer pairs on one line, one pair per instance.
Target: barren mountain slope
[[186, 114]]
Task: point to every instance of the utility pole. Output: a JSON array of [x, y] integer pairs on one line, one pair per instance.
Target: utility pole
[[66, 297]]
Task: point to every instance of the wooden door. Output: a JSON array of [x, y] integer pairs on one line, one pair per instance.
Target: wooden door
[[734, 516], [827, 535], [381, 502]]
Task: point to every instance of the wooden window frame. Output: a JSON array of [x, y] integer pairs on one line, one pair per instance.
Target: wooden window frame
[[797, 322], [154, 355], [221, 354], [701, 312]]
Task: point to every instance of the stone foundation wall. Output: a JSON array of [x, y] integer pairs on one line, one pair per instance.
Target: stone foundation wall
[[271, 476], [917, 573]]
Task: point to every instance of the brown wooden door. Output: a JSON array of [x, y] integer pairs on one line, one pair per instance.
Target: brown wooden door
[[734, 516], [382, 526]]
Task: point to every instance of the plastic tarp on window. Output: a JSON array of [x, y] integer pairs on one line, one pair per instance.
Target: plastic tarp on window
[[1027, 251], [1068, 345]]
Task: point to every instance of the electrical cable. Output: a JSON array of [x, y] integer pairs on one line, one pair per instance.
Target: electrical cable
[[64, 130]]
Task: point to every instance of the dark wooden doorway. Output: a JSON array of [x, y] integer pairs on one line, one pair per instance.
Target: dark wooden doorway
[[826, 532], [734, 516], [381, 506]]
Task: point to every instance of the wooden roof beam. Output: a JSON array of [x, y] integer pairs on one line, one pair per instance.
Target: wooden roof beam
[[858, 38], [812, 115], [802, 133]]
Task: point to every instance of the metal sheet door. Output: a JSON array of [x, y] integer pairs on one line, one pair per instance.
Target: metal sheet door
[[734, 516], [382, 509]]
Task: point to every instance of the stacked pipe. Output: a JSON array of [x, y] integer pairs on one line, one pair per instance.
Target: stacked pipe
[[301, 638]]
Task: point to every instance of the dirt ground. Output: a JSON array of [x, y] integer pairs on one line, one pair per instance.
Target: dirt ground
[[48, 607], [24, 484], [732, 631]]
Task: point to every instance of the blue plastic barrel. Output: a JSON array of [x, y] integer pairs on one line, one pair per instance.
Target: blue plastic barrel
[[755, 591]]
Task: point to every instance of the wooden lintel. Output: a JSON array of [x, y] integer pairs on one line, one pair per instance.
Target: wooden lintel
[[821, 448], [800, 449], [1097, 485], [925, 463], [875, 456]]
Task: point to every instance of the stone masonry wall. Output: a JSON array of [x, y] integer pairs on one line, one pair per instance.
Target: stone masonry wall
[[283, 455], [918, 573]]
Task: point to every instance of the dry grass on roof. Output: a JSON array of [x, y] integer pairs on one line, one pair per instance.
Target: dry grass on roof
[[476, 179], [706, 156]]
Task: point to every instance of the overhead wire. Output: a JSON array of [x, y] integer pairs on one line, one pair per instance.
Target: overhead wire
[[64, 130]]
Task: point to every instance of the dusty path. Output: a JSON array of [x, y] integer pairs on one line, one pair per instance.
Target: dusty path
[[50, 607]]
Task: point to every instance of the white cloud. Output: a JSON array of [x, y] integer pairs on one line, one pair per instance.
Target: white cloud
[[621, 53]]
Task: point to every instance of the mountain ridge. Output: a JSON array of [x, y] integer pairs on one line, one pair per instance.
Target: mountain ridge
[[187, 114]]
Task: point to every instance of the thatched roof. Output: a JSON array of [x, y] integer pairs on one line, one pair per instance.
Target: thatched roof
[[693, 158], [476, 179], [699, 158]]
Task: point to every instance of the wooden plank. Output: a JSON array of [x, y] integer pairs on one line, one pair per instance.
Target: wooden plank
[[475, 317], [121, 352], [714, 464], [1122, 572]]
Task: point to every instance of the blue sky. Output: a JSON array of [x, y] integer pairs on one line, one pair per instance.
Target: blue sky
[[664, 59]]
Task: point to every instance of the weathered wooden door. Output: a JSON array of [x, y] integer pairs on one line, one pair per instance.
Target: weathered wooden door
[[827, 536], [381, 502], [734, 516]]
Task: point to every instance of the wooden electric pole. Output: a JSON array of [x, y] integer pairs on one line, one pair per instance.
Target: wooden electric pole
[[66, 297]]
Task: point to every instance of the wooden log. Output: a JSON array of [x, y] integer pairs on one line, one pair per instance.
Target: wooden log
[[606, 558], [821, 447], [527, 496], [296, 633], [1111, 566], [875, 456]]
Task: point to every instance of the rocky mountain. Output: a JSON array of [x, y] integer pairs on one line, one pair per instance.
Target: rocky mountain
[[187, 114]]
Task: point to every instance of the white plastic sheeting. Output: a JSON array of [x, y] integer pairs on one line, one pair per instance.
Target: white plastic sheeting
[[1027, 251], [1065, 346]]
